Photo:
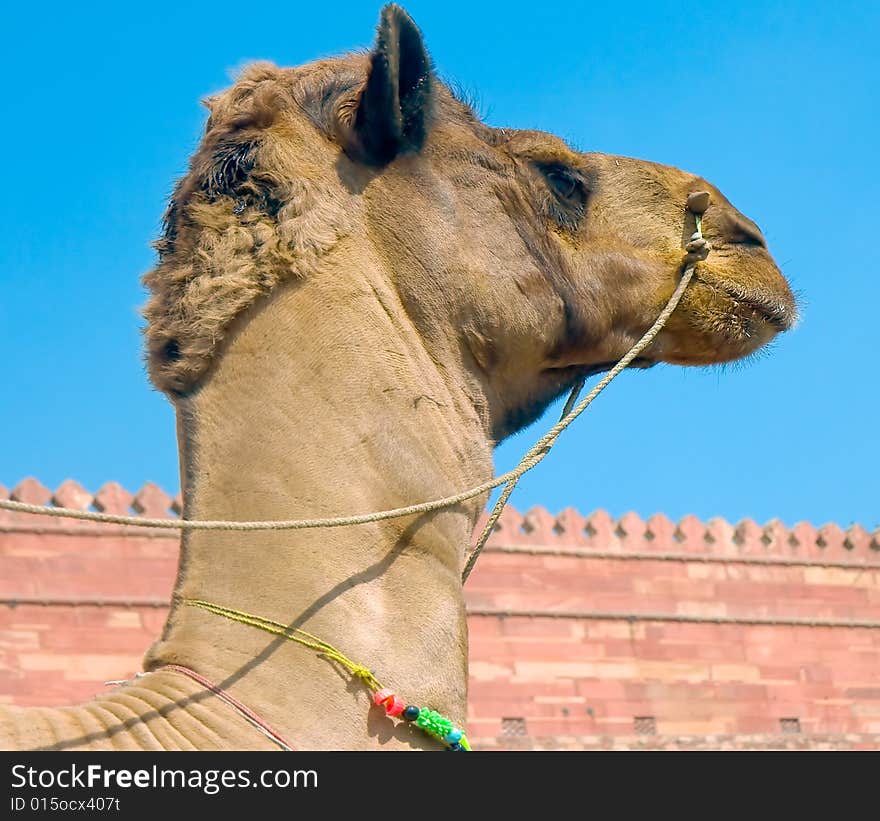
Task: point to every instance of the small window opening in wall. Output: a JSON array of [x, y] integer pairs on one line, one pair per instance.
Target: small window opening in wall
[[790, 725], [511, 727], [645, 725]]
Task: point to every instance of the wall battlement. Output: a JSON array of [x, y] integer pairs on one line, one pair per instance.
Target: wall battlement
[[568, 529], [586, 632]]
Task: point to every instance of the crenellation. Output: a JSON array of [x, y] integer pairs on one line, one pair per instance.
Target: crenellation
[[856, 539], [152, 502], [631, 532], [600, 531], [537, 527], [830, 540], [31, 492], [774, 538], [719, 537], [72, 494], [690, 533], [113, 498], [659, 530], [509, 526], [570, 524]]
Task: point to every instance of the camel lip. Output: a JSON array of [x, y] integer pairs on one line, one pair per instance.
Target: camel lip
[[773, 312], [584, 371]]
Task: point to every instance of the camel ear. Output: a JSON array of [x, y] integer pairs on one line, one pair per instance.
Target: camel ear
[[394, 108]]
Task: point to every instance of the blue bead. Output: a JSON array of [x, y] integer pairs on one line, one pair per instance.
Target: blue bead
[[453, 736], [455, 747], [411, 713]]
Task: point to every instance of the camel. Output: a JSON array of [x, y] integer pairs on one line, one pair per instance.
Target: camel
[[361, 289]]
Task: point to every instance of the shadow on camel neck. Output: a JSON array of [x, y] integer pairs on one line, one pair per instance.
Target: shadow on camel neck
[[361, 290]]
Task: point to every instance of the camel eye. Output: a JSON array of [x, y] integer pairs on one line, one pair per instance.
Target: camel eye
[[563, 183], [569, 189], [566, 183]]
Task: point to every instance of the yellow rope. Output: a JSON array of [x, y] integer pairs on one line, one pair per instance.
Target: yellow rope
[[426, 719], [291, 634]]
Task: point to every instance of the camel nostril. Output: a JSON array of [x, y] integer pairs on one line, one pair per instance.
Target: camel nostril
[[748, 238], [742, 231]]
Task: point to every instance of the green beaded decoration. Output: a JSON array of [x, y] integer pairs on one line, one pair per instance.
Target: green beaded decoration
[[427, 720], [438, 726]]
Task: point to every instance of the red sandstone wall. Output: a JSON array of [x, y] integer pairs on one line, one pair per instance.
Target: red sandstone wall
[[585, 632]]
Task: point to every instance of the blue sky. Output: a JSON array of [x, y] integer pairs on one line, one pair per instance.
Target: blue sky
[[776, 103]]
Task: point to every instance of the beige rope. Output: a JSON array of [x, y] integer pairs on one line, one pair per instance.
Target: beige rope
[[532, 457], [697, 203], [681, 618], [542, 447]]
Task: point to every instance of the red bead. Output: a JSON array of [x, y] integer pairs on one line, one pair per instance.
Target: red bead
[[395, 706], [383, 695]]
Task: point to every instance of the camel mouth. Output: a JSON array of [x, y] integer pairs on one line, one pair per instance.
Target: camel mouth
[[774, 312], [574, 372], [723, 321]]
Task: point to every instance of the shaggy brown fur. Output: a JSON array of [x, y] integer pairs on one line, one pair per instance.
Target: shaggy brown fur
[[268, 195]]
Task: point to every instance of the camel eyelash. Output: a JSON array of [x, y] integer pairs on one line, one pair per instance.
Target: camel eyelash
[[569, 192], [234, 174], [232, 165]]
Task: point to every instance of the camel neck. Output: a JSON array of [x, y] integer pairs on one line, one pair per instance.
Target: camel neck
[[320, 411]]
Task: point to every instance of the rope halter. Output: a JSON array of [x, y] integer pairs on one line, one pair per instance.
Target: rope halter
[[698, 249]]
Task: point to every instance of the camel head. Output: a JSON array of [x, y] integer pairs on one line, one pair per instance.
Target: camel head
[[528, 263]]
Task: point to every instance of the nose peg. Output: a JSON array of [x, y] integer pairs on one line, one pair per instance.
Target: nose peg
[[698, 202], [698, 247]]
